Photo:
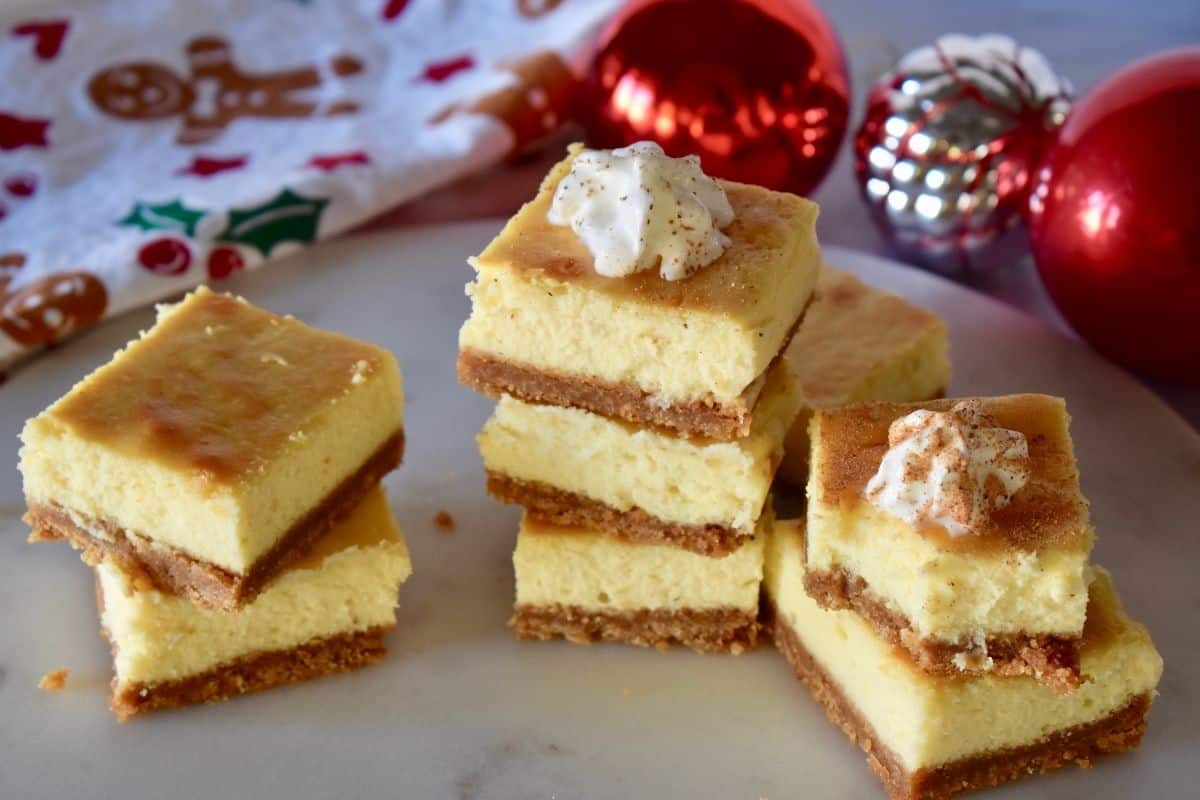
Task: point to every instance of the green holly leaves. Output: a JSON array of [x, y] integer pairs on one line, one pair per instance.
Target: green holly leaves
[[173, 216], [288, 217]]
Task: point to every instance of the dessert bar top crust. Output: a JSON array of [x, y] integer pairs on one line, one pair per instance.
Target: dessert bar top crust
[[850, 331], [769, 230], [1049, 512], [218, 387]]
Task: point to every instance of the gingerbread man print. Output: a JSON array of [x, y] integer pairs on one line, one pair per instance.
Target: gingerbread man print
[[215, 92], [533, 106], [48, 309]]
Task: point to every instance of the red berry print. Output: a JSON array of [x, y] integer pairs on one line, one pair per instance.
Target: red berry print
[[47, 35], [207, 166], [223, 262], [328, 163], [165, 256], [17, 132], [536, 8], [440, 71], [21, 185], [393, 9]]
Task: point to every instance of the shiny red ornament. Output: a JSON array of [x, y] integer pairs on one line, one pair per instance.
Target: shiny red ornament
[[757, 88], [1115, 217]]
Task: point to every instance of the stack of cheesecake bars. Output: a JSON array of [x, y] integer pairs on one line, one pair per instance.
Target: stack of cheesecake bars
[[956, 661], [221, 474], [641, 423]]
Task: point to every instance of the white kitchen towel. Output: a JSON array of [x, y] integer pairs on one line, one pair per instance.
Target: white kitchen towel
[[146, 147]]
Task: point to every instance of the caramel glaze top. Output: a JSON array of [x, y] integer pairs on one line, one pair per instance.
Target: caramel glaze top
[[1049, 512], [772, 232], [216, 388]]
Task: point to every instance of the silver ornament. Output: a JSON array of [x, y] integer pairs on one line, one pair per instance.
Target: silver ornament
[[950, 142]]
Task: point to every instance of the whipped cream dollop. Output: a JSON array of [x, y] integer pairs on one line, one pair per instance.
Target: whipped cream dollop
[[952, 468], [636, 208]]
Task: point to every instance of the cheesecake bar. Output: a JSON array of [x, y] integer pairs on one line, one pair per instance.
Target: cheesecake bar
[[997, 582], [215, 448], [326, 613], [578, 468], [929, 737], [857, 344], [690, 355], [585, 586]]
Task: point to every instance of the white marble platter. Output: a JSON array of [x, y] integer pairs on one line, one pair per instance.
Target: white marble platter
[[461, 710]]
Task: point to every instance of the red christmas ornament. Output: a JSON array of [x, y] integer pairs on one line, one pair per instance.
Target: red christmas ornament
[[1115, 217], [757, 88], [165, 256], [223, 262]]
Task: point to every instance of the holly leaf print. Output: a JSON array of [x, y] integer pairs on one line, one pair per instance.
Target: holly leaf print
[[288, 217], [173, 216]]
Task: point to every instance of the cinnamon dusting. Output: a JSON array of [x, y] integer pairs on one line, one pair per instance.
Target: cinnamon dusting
[[55, 680]]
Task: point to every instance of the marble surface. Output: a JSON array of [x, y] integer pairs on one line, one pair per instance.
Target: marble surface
[[459, 709], [1086, 40]]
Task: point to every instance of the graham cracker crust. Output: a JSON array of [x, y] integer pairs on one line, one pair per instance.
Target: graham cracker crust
[[711, 419], [1052, 660], [253, 673], [205, 584], [1122, 730], [574, 510], [721, 630]]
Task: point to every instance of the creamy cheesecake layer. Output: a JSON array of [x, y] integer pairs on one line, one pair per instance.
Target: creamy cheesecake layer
[[537, 302], [928, 721], [952, 596], [1026, 573], [677, 480], [582, 569], [859, 343], [346, 585], [215, 432]]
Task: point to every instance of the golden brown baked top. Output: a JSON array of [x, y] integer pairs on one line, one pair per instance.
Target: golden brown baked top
[[1049, 512], [217, 387], [770, 230], [850, 330]]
